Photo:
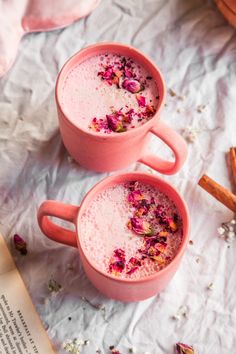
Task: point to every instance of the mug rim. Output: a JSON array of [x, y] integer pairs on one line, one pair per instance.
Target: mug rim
[[101, 45], [127, 177]]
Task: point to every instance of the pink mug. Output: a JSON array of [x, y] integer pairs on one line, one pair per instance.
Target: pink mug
[[102, 152], [110, 285]]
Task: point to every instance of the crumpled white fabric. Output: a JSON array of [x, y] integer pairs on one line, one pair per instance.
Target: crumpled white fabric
[[195, 49]]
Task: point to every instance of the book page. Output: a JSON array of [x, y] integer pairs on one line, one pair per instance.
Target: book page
[[21, 331]]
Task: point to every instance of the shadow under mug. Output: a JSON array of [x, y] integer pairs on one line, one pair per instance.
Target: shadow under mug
[[103, 152], [114, 287]]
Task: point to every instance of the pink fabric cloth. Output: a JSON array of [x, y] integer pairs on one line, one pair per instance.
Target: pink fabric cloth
[[20, 17]]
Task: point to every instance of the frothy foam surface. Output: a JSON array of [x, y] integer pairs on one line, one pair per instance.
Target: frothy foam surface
[[104, 229], [87, 95]]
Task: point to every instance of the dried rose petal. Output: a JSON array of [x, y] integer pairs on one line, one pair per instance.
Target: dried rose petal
[[161, 247], [119, 253], [108, 74], [133, 265], [153, 251], [135, 261], [141, 100], [115, 122], [133, 185], [153, 246], [128, 73], [182, 348], [159, 259], [20, 244], [149, 111], [163, 233], [117, 262], [160, 212], [141, 226], [94, 125], [118, 73], [135, 198], [143, 210], [169, 223], [151, 241], [172, 225], [132, 85], [128, 116], [115, 81], [132, 270]]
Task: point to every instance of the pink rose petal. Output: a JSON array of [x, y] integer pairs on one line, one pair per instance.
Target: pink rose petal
[[20, 244], [128, 73], [182, 348], [141, 100]]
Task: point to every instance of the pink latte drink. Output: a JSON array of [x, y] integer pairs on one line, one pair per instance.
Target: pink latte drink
[[131, 230], [109, 93]]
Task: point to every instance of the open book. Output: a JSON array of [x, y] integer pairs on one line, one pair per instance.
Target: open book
[[21, 331]]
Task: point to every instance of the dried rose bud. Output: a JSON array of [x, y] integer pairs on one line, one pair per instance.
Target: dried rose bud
[[141, 100], [132, 85], [115, 122], [141, 227], [20, 244], [116, 267], [182, 348]]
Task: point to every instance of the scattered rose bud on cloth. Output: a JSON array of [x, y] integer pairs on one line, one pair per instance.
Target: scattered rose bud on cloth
[[182, 348], [20, 244]]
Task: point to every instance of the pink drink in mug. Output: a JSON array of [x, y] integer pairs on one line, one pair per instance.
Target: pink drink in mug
[[109, 98], [131, 232], [109, 93]]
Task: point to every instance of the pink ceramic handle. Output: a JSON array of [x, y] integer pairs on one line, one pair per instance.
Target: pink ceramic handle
[[175, 142], [53, 231]]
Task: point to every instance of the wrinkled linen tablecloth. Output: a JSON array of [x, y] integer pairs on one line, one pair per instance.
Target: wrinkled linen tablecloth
[[195, 49]]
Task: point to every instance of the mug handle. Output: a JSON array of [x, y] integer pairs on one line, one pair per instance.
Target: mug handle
[[55, 232], [175, 142]]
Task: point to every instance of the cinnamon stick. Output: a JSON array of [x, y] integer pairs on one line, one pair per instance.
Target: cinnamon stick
[[218, 192], [232, 160]]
